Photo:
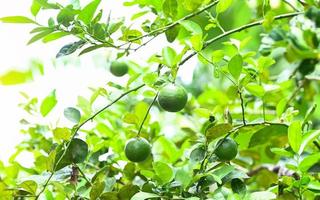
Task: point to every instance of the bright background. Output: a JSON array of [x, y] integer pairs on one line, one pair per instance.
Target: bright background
[[70, 80]]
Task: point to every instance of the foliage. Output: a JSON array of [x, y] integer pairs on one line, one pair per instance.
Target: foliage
[[257, 82]]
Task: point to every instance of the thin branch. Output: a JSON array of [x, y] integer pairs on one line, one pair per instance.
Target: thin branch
[[209, 61], [291, 5], [163, 29], [242, 107], [84, 176], [241, 28], [76, 131], [147, 113]]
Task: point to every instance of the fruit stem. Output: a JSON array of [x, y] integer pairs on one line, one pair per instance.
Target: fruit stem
[[147, 113]]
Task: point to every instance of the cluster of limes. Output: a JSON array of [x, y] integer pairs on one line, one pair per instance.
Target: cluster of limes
[[171, 98]]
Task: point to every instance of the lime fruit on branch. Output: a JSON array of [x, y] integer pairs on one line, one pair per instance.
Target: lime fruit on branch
[[226, 149], [172, 98], [119, 68], [137, 149]]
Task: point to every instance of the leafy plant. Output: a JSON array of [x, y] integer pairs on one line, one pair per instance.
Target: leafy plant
[[246, 127]]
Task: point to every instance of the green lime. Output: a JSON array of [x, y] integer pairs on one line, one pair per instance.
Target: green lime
[[118, 68], [227, 149], [172, 98], [307, 66], [137, 149]]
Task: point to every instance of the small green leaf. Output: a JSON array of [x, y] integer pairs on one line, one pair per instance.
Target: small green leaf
[[235, 66], [97, 190], [197, 155], [307, 138], [295, 135], [218, 130], [169, 56], [281, 152], [144, 195], [72, 114], [40, 35], [192, 27], [255, 89], [62, 133], [223, 5], [170, 8], [163, 171], [183, 177], [54, 36], [17, 19], [70, 48], [309, 161], [88, 11], [35, 8], [238, 186], [48, 103], [29, 186], [265, 134], [172, 33]]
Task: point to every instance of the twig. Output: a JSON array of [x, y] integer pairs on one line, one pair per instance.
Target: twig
[[163, 29], [291, 5], [76, 131], [242, 107], [241, 28], [83, 175], [146, 115]]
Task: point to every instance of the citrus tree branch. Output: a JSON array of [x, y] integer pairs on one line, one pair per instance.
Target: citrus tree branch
[[239, 29], [169, 26], [76, 131], [147, 113]]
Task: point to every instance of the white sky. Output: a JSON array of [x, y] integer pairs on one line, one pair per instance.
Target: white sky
[[70, 81]]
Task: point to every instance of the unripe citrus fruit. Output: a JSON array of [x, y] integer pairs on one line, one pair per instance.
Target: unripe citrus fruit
[[172, 98], [137, 149], [227, 149], [118, 68]]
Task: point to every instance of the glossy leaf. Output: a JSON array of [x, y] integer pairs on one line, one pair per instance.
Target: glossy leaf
[[72, 114], [88, 11], [48, 103], [295, 136]]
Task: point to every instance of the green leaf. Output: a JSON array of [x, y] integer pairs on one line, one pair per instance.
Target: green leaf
[[66, 15], [35, 8], [192, 27], [295, 135], [235, 66], [46, 5], [307, 138], [267, 133], [281, 152], [198, 154], [144, 195], [48, 103], [14, 77], [309, 161], [72, 114], [62, 133], [223, 5], [169, 56], [238, 186], [255, 89], [54, 36], [29, 186], [170, 8], [192, 5], [183, 177], [70, 48], [40, 35], [218, 130], [223, 171], [97, 190], [88, 11], [163, 171], [172, 33], [92, 48], [17, 19]]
